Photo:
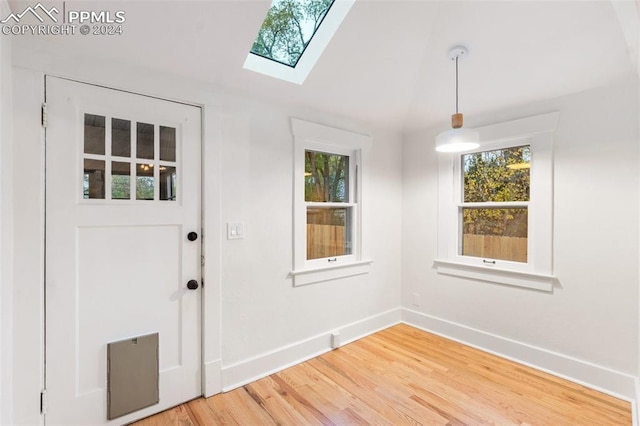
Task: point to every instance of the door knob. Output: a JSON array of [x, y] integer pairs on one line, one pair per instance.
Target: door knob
[[192, 236], [192, 285]]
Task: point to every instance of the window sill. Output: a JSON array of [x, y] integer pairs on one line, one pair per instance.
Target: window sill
[[541, 282], [310, 276]]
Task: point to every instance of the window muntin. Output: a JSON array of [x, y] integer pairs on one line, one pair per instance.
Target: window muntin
[[288, 29]]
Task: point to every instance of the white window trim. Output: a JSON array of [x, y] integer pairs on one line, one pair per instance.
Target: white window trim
[[537, 273], [311, 54], [313, 136]]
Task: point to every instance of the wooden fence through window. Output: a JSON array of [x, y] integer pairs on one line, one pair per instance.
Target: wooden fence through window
[[325, 241], [495, 247], [330, 240]]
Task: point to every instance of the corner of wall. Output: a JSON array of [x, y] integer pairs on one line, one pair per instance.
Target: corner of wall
[[263, 365]]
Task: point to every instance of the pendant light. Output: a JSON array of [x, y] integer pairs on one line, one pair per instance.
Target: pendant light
[[457, 139]]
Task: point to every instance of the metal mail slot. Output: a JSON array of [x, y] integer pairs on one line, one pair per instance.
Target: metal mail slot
[[132, 375]]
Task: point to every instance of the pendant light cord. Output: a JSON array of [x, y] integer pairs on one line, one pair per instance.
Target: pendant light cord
[[456, 84]]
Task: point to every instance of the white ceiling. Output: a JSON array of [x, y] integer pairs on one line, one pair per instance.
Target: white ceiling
[[387, 64]]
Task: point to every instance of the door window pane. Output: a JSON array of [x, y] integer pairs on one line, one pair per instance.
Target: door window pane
[[120, 137], [497, 176], [120, 180], [326, 177], [168, 183], [93, 182], [328, 232], [145, 139], [94, 134], [167, 143], [495, 233], [144, 182]]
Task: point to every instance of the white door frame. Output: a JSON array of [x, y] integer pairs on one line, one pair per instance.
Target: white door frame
[[29, 217]]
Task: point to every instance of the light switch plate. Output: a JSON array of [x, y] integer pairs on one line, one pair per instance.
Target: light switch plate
[[235, 230]]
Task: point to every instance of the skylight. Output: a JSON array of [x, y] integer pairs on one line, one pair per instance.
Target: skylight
[[288, 29], [293, 36]]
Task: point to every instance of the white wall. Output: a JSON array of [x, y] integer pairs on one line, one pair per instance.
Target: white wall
[[5, 225], [254, 320], [261, 310], [592, 316]]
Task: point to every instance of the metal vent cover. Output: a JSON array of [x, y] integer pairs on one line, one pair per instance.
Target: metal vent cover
[[132, 375]]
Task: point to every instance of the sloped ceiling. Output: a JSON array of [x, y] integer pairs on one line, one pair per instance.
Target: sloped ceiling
[[387, 64]]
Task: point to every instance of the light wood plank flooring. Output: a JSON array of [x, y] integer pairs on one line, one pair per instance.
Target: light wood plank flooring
[[404, 376]]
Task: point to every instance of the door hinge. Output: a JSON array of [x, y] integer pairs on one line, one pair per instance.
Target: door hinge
[[43, 402], [43, 115]]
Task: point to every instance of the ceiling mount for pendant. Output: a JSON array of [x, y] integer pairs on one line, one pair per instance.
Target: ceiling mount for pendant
[[458, 52], [457, 139]]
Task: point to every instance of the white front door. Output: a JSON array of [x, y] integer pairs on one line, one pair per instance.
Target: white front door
[[122, 196]]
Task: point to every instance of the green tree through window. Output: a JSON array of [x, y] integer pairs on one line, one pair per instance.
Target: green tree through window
[[496, 176], [288, 29], [326, 177]]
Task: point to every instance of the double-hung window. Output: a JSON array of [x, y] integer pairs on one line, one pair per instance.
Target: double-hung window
[[328, 177], [495, 206]]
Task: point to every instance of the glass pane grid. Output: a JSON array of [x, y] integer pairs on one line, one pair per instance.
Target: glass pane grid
[[116, 149]]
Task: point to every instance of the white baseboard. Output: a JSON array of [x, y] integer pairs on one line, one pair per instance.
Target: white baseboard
[[249, 370], [212, 380], [600, 378], [615, 383]]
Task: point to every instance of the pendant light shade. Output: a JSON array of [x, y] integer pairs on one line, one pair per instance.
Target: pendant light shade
[[457, 139]]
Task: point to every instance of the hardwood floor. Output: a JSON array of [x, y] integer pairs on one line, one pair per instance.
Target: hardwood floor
[[404, 376]]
